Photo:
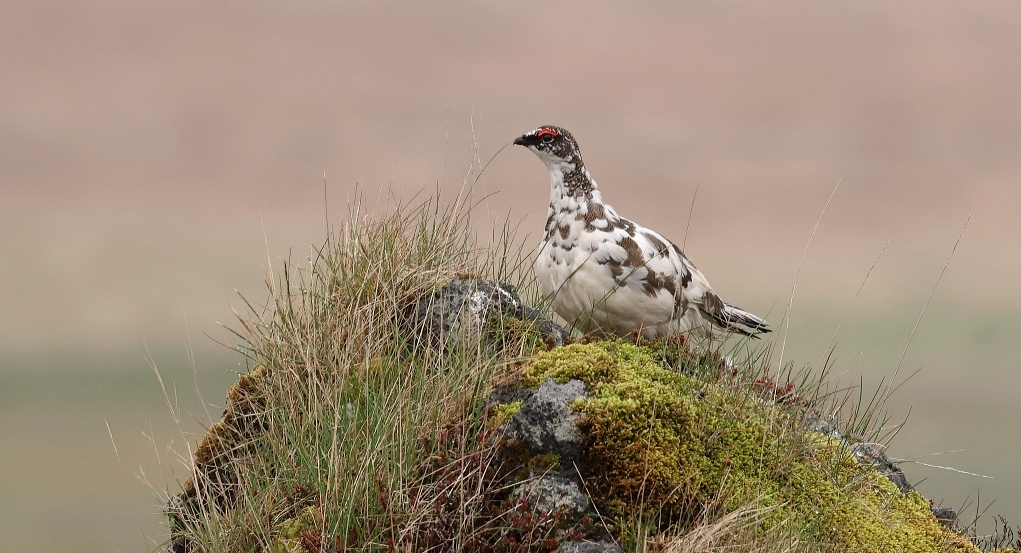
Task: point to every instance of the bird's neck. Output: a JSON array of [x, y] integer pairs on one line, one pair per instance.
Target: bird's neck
[[573, 192], [571, 184]]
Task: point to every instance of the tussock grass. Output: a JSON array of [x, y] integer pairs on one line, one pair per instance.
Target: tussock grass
[[351, 409]]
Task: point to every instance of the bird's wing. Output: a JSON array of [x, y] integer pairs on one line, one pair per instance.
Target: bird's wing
[[690, 287], [641, 260], [668, 259], [668, 269]]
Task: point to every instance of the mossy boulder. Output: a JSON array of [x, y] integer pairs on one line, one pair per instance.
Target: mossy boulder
[[658, 444]]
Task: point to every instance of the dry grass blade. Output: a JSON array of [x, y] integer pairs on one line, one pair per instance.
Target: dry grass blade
[[794, 287]]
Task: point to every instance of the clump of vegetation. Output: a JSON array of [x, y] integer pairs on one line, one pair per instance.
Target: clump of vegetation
[[351, 433], [345, 415]]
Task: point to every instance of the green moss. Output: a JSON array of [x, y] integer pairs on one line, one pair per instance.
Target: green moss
[[665, 446], [587, 362], [502, 412], [638, 432], [511, 333], [289, 533], [544, 462]]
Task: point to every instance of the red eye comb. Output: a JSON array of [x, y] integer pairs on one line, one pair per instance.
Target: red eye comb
[[544, 132]]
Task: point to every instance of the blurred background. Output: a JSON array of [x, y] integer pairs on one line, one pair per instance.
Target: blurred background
[[157, 158]]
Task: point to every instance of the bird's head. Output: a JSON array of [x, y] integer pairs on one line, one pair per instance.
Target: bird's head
[[553, 145]]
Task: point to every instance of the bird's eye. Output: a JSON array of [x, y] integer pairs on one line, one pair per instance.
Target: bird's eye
[[547, 138]]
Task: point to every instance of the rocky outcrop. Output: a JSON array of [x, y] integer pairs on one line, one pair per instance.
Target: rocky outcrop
[[866, 453], [555, 492]]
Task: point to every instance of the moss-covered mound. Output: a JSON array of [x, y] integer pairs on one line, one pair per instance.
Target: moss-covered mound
[[661, 446], [367, 422]]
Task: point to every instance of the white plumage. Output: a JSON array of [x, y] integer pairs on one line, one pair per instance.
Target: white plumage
[[606, 274]]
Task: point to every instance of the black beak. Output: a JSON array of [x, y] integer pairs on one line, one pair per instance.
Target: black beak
[[526, 140]]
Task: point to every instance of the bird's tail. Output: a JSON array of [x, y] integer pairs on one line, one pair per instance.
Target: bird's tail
[[734, 319]]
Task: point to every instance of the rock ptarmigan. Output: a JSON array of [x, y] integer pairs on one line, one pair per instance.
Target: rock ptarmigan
[[606, 274]]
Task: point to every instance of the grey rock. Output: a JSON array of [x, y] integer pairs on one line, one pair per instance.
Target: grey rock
[[546, 422], [815, 422], [869, 454], [585, 546], [469, 304], [507, 393], [864, 452], [553, 493], [946, 516], [176, 513]]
